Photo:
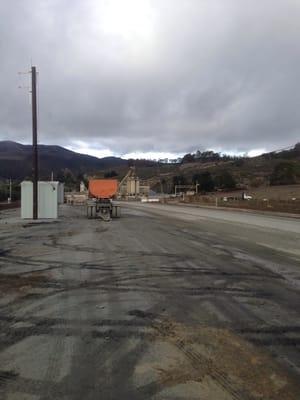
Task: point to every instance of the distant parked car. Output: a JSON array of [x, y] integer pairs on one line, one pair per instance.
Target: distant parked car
[[246, 196]]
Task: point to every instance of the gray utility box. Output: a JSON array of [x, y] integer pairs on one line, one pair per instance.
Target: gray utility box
[[47, 199], [61, 193]]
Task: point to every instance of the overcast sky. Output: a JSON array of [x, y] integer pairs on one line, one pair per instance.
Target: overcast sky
[[153, 76]]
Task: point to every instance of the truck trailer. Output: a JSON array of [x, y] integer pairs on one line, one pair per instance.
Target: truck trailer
[[100, 203]]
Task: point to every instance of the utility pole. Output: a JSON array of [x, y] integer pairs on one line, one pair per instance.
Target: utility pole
[[34, 143], [10, 192], [160, 182]]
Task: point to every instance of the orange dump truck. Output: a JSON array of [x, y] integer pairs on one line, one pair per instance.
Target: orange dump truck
[[103, 188], [101, 194]]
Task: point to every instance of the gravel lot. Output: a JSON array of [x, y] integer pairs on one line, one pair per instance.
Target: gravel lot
[[168, 302]]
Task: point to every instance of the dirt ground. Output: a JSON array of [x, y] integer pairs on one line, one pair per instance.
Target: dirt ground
[[265, 198], [165, 303], [282, 192]]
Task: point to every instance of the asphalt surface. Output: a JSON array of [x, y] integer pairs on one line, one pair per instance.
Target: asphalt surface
[[167, 302]]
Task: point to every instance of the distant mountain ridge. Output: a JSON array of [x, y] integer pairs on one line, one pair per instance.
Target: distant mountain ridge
[[16, 161]]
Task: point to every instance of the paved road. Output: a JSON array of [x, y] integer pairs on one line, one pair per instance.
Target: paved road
[[282, 223], [165, 303]]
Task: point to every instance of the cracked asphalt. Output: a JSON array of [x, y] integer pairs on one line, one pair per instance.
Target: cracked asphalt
[[167, 302]]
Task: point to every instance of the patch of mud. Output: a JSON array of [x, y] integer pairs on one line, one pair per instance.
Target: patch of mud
[[4, 253], [242, 369], [31, 224], [21, 284], [141, 314], [6, 376]]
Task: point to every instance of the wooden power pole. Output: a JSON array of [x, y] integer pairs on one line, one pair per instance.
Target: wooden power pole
[[34, 143]]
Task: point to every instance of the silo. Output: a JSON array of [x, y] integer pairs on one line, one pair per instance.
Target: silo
[[137, 187]]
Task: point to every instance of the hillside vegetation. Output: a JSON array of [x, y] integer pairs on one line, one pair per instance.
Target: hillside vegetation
[[211, 171]]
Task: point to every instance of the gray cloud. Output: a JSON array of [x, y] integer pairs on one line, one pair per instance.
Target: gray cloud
[[183, 75]]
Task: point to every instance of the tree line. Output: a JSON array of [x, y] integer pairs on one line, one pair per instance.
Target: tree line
[[208, 156], [206, 181]]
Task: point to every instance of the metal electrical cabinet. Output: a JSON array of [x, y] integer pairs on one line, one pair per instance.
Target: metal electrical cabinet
[[47, 200], [26, 199], [61, 193]]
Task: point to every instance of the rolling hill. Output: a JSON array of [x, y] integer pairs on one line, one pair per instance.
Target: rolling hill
[[15, 161]]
